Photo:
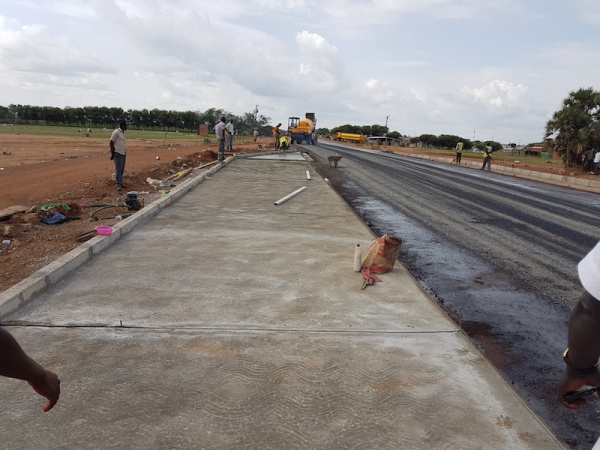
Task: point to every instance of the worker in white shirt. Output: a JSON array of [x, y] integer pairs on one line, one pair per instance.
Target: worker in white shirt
[[229, 130]]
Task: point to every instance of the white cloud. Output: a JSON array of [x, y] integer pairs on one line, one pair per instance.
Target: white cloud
[[588, 11], [322, 68], [350, 61], [497, 95]]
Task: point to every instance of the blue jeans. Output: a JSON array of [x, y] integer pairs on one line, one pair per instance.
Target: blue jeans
[[230, 142]]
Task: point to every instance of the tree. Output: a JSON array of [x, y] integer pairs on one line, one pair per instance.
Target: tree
[[496, 146], [379, 130], [574, 130], [449, 140], [429, 140]]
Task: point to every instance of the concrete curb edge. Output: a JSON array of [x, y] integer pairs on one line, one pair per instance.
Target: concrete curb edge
[[23, 293]]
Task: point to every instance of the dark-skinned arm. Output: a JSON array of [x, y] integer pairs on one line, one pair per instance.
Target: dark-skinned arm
[[583, 351], [15, 363]]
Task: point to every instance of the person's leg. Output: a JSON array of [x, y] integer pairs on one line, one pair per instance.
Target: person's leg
[[119, 168], [221, 156], [118, 179]]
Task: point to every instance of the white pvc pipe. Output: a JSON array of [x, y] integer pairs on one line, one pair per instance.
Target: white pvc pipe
[[287, 197], [307, 175]]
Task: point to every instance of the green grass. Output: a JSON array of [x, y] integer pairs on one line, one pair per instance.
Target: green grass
[[49, 130], [43, 130]]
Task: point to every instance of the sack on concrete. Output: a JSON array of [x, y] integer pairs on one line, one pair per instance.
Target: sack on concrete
[[382, 254]]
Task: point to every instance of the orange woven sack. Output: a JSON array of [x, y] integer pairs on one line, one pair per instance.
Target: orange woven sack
[[382, 254]]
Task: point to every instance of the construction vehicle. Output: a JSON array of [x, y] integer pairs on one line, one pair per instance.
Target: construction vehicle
[[349, 137], [301, 130]]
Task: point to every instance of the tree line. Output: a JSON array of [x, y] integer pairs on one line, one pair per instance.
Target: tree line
[[573, 131], [445, 141], [140, 119]]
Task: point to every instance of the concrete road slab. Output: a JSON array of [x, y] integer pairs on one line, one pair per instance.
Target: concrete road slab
[[144, 388], [228, 322], [225, 255]]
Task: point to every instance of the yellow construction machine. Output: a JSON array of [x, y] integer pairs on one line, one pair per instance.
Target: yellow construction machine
[[301, 130], [359, 138]]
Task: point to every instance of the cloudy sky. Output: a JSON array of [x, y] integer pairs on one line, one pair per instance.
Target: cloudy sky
[[489, 69]]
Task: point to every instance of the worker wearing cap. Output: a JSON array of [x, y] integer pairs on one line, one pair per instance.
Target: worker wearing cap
[[276, 135], [581, 357]]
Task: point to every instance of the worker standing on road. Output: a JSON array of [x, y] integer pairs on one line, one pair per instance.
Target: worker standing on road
[[581, 357], [15, 363], [276, 135], [118, 151], [487, 157], [220, 132], [229, 129], [459, 148]]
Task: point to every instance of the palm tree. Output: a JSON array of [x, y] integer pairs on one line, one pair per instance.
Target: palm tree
[[574, 130]]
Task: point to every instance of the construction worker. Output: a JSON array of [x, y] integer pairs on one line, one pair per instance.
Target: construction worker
[[255, 135], [487, 157], [284, 143], [459, 148], [229, 134], [220, 132], [276, 135]]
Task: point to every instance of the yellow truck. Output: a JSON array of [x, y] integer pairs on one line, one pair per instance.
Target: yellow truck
[[301, 130], [349, 137]]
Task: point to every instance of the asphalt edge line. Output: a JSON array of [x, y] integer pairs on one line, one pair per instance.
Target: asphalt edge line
[[21, 294]]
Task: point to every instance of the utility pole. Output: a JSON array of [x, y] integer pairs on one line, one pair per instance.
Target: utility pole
[[386, 120], [474, 129], [255, 117]]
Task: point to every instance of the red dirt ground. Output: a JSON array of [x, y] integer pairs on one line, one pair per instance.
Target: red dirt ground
[[41, 170]]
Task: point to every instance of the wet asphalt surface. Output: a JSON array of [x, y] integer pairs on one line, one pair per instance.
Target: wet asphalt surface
[[499, 255]]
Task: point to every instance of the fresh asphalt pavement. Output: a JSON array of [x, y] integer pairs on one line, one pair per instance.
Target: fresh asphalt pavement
[[225, 321]]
